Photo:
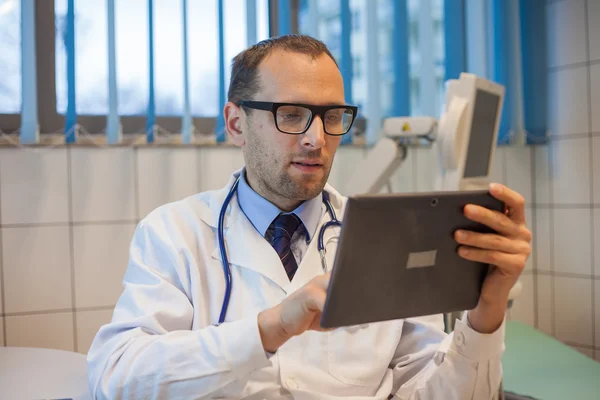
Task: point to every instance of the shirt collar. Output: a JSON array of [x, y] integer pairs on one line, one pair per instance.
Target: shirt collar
[[261, 212]]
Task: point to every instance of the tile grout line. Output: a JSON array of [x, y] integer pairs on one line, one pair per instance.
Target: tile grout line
[[71, 245], [504, 169], [551, 223], [580, 64], [2, 287], [532, 225], [136, 184], [580, 345], [66, 224], [568, 275], [505, 182], [58, 311], [572, 136], [591, 155], [557, 137], [415, 175], [547, 206]]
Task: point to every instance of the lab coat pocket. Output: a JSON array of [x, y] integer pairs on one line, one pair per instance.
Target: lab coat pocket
[[360, 355]]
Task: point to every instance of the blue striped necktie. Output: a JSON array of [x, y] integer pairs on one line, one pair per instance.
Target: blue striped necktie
[[280, 235]]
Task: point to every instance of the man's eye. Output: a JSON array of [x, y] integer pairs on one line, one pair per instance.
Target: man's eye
[[290, 116]]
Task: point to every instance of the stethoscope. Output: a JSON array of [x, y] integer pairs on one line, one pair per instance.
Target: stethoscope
[[333, 222]]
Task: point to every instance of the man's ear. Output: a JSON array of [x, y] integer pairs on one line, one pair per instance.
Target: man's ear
[[234, 118]]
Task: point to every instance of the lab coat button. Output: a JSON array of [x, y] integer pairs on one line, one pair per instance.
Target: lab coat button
[[460, 339], [290, 383]]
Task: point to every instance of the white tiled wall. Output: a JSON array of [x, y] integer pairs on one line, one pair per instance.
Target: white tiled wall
[[102, 182], [597, 309], [37, 268], [545, 309], [518, 160], [34, 186], [541, 176], [523, 307], [567, 90], [593, 10], [542, 242], [572, 242], [595, 92], [88, 324], [61, 281], [159, 174], [567, 180], [573, 310], [567, 34], [216, 164], [570, 171], [54, 331], [100, 254]]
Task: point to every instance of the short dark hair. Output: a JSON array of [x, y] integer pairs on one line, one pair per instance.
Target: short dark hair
[[245, 82]]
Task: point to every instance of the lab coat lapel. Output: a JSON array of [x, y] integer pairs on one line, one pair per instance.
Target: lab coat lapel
[[245, 246], [310, 266]]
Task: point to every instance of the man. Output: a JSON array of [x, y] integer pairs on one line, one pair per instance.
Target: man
[[165, 340]]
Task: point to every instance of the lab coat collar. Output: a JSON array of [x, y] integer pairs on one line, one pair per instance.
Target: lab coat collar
[[215, 202], [311, 266], [247, 248]]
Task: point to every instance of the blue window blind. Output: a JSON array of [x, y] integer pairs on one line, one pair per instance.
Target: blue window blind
[[346, 56], [533, 55], [29, 110], [506, 43], [119, 75], [454, 33], [284, 17], [403, 80], [10, 57]]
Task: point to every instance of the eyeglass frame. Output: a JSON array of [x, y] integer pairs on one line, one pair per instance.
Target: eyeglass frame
[[318, 110]]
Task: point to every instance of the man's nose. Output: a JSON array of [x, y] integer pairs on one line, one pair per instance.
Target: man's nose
[[314, 137]]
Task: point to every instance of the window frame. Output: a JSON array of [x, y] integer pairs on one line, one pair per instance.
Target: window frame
[[48, 118]]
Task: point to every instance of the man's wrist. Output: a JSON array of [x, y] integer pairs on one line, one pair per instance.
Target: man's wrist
[[487, 316], [271, 334]]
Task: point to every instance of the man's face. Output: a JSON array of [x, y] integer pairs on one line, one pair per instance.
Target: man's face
[[284, 167]]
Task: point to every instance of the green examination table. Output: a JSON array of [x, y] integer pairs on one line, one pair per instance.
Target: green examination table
[[541, 367]]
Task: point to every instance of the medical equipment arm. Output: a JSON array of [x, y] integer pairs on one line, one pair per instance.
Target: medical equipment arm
[[462, 365], [149, 349]]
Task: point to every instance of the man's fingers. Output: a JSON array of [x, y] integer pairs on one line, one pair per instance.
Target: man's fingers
[[490, 241], [316, 301], [513, 200], [508, 263], [493, 219], [322, 281]]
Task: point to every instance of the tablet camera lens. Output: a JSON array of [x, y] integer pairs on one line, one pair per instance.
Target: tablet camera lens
[[434, 202]]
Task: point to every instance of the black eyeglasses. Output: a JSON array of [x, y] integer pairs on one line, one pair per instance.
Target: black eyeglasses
[[295, 119]]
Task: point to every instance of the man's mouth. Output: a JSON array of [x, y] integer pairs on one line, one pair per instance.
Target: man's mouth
[[308, 163], [308, 166]]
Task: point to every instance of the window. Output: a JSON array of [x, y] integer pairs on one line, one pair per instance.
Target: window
[[425, 43], [356, 67], [132, 53], [131, 41], [356, 23], [426, 56], [91, 88], [10, 56]]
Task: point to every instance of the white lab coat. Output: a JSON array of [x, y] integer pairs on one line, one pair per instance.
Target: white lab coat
[[162, 342]]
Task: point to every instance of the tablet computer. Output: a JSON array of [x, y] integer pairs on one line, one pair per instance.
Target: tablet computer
[[397, 258]]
